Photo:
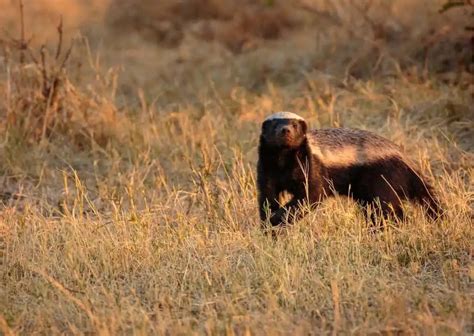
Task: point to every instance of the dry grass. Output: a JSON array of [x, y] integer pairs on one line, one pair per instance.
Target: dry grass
[[128, 201]]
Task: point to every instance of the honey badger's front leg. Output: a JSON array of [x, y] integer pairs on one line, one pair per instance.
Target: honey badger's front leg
[[267, 197], [292, 210], [305, 199], [269, 206]]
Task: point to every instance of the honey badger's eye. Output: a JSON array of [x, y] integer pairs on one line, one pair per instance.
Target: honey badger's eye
[[294, 124]]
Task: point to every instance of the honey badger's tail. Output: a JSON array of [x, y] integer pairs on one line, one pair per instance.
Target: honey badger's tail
[[422, 193]]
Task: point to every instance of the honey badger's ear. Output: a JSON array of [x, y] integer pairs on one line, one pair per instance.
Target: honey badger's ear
[[265, 125], [304, 126]]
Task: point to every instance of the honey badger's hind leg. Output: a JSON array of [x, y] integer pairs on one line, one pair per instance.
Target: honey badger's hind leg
[[380, 188], [377, 212], [422, 192], [381, 208]]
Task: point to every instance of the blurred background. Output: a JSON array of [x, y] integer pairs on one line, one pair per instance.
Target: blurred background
[[186, 44]]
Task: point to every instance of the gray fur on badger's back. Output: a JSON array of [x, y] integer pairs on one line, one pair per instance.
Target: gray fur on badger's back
[[340, 147]]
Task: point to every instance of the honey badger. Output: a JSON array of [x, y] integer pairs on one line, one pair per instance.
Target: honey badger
[[312, 165]]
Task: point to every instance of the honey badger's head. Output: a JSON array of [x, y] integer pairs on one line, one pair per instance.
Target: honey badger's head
[[283, 129]]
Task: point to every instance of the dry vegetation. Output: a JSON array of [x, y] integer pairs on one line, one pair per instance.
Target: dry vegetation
[[127, 185]]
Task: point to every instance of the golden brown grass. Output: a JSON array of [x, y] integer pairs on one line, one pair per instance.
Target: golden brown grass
[[128, 203]]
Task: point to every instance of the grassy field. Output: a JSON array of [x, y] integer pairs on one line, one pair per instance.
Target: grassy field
[[127, 167]]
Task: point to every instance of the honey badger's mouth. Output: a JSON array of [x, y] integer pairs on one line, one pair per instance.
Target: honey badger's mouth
[[287, 141], [287, 138]]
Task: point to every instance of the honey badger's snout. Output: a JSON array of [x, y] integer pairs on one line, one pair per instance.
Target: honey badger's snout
[[285, 131]]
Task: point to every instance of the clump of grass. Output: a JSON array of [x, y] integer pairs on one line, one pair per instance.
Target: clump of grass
[[42, 100]]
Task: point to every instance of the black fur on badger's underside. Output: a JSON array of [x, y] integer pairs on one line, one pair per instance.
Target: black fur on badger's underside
[[385, 183]]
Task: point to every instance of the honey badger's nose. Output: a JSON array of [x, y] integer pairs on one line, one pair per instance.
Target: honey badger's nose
[[285, 130]]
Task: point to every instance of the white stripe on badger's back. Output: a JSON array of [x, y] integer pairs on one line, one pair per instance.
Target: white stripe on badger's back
[[342, 147], [284, 115]]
